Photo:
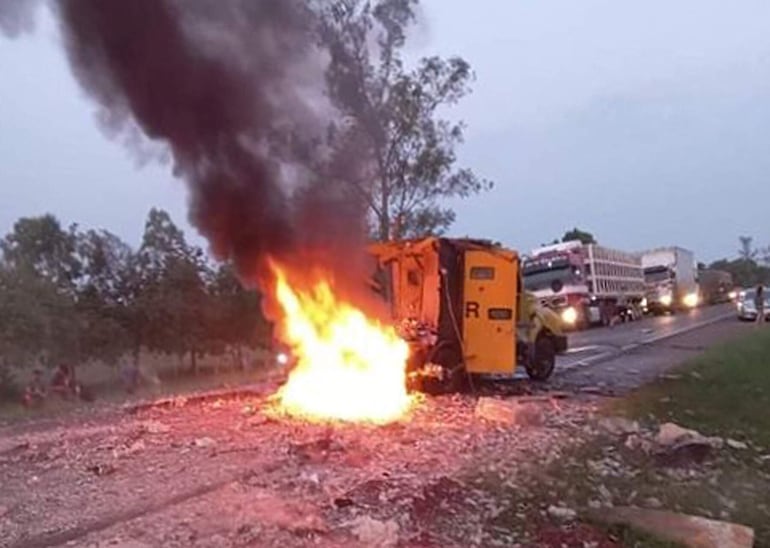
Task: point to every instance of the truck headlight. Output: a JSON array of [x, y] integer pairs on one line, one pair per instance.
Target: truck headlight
[[665, 300], [569, 315], [732, 295], [691, 300], [643, 304], [282, 358]]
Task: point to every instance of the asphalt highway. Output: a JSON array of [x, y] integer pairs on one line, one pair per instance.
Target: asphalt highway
[[591, 343], [622, 357]]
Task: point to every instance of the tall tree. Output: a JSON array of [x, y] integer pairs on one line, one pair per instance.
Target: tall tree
[[747, 251], [42, 245], [172, 297], [104, 258], [238, 322], [405, 154], [580, 235], [38, 283]]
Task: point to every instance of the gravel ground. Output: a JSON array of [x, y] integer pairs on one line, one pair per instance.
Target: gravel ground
[[223, 473]]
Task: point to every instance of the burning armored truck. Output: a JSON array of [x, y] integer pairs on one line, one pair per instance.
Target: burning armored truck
[[461, 306]]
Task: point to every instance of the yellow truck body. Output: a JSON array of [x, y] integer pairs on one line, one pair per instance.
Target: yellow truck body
[[461, 306]]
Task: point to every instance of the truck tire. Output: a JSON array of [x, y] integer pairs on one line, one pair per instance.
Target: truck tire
[[542, 364], [450, 358]]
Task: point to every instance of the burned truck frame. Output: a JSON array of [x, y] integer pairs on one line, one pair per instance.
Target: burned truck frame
[[460, 305]]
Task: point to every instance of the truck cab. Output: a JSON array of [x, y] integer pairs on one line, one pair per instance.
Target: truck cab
[[670, 280], [585, 283]]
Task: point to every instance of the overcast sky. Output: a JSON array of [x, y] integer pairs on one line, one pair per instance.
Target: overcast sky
[[647, 123]]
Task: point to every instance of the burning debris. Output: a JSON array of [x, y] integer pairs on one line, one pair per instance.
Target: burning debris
[[349, 366]]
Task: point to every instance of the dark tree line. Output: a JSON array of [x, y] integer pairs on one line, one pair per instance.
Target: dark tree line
[[751, 267], [75, 295]]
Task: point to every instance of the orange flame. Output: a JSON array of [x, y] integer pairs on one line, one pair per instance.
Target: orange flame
[[349, 367]]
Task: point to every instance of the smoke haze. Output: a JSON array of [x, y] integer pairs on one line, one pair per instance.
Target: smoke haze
[[236, 92]]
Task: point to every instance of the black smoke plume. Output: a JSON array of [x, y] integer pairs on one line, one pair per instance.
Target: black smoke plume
[[235, 90], [17, 16]]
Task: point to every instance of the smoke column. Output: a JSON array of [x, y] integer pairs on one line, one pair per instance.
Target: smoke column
[[235, 91], [17, 16]]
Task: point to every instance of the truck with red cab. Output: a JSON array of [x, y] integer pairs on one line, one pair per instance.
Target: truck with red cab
[[586, 284]]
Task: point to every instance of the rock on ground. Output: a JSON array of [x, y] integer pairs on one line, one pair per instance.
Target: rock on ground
[[561, 513], [692, 531], [671, 434], [619, 426], [376, 533], [508, 412]]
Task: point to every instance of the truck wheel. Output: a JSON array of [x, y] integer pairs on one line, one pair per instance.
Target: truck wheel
[[450, 358], [542, 364]]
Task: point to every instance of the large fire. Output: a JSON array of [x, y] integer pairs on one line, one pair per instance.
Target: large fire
[[349, 367]]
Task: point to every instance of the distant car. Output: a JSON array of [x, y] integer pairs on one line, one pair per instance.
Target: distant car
[[747, 310]]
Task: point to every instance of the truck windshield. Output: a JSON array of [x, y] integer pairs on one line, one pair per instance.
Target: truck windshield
[[656, 274], [541, 279]]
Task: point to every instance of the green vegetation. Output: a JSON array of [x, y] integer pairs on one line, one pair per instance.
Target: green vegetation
[[85, 297], [392, 122], [752, 266], [724, 392], [580, 235]]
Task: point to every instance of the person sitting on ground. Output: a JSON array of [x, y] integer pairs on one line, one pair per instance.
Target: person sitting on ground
[[63, 381], [759, 303], [34, 393]]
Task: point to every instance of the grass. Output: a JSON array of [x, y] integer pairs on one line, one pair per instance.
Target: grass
[[725, 391], [104, 382]]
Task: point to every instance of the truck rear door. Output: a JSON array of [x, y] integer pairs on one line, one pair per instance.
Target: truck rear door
[[489, 316]]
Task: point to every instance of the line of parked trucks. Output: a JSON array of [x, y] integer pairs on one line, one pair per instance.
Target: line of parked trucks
[[590, 284], [470, 307]]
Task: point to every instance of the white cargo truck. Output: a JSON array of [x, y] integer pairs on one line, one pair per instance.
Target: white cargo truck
[[670, 275], [586, 283]]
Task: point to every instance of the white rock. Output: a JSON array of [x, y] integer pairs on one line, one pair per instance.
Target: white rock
[[508, 412], [681, 529], [204, 442], [562, 513], [735, 444], [375, 533], [671, 434], [156, 427], [653, 502]]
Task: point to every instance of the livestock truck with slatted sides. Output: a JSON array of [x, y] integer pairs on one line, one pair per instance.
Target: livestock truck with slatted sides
[[586, 284]]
